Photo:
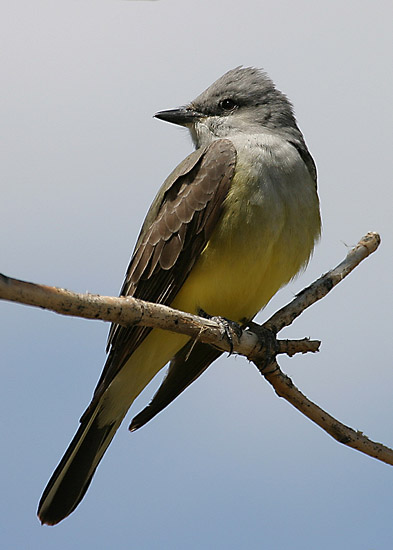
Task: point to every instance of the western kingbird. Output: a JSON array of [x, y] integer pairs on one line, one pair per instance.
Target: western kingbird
[[234, 222]]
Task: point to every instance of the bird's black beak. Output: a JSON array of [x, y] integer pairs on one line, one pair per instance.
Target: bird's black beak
[[183, 116]]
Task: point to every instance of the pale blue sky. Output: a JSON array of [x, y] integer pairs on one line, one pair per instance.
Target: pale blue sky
[[228, 465]]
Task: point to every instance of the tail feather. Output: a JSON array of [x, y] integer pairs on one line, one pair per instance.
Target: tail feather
[[188, 364], [75, 471]]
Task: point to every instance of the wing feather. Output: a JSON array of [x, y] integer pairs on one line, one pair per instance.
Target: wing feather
[[176, 230]]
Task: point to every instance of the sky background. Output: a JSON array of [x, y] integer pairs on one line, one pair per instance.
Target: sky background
[[229, 465]]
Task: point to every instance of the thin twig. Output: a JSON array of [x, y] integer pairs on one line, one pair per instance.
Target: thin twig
[[322, 286], [284, 387]]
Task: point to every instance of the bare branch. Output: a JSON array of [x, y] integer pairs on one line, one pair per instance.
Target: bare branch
[[284, 387], [131, 311], [259, 343]]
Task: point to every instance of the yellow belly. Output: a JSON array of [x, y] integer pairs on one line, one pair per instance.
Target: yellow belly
[[255, 249]]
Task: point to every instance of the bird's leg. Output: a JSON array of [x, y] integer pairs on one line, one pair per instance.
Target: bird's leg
[[228, 328]]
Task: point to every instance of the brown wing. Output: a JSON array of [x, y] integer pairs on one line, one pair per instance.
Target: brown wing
[[176, 230]]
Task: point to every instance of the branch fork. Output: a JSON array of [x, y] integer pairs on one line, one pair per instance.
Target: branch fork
[[258, 343]]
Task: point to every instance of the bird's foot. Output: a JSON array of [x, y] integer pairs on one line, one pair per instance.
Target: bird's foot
[[228, 328]]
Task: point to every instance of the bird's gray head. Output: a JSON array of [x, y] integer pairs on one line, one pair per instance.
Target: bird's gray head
[[243, 100]]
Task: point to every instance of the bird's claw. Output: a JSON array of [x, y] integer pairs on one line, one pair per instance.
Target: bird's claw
[[228, 328]]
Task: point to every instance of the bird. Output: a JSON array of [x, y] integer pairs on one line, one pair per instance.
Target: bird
[[235, 221]]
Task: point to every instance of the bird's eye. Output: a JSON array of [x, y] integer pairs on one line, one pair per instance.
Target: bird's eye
[[228, 104]]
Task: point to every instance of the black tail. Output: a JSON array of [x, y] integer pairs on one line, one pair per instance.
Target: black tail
[[74, 473], [187, 365]]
